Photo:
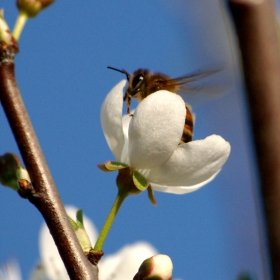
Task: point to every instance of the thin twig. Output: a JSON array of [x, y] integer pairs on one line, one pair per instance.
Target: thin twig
[[45, 196], [255, 23]]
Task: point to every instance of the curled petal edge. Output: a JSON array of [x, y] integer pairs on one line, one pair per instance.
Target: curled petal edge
[[181, 189], [192, 163], [111, 119]]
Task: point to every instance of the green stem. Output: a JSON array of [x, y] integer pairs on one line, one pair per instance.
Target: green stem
[[21, 20], [109, 221]]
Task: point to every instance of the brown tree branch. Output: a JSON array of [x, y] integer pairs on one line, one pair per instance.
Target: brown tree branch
[[255, 24], [45, 196]]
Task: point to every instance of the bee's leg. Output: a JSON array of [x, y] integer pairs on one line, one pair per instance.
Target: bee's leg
[[128, 101], [125, 97]]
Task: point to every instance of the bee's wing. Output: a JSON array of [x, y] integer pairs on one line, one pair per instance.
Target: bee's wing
[[198, 87]]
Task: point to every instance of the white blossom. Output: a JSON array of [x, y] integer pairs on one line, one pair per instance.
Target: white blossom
[[125, 263], [51, 266], [149, 140], [10, 271], [119, 266]]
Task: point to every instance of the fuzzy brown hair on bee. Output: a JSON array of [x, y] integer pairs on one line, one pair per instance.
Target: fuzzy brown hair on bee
[[142, 83]]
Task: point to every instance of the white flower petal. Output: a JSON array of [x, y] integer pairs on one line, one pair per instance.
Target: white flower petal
[[182, 189], [50, 258], [39, 273], [125, 263], [156, 129], [111, 119], [10, 271], [125, 123], [192, 163]]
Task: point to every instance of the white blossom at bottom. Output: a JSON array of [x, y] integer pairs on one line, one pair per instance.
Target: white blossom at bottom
[[10, 271], [119, 266]]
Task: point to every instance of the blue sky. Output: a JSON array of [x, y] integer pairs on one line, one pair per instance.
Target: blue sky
[[214, 233]]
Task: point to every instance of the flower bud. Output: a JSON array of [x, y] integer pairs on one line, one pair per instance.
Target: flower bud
[[22, 174], [78, 227], [9, 168], [32, 7], [158, 267], [23, 182]]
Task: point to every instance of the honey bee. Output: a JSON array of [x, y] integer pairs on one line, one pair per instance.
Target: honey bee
[[143, 83]]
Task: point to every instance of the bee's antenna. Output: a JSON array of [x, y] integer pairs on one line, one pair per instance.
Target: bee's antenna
[[121, 71]]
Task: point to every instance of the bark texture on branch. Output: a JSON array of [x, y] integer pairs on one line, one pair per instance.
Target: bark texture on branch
[[44, 196]]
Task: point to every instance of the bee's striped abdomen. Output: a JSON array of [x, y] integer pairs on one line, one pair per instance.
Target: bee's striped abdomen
[[188, 127]]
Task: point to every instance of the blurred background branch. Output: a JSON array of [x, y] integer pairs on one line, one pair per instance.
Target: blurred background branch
[[256, 28]]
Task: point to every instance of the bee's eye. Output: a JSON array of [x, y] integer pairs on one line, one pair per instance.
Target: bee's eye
[[137, 80]]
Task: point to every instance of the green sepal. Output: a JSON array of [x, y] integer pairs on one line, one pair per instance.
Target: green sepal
[[139, 181], [9, 165], [73, 223], [80, 220], [111, 166], [151, 195], [79, 223]]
